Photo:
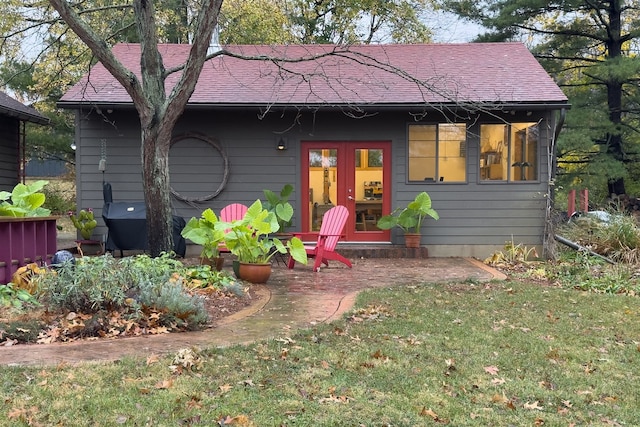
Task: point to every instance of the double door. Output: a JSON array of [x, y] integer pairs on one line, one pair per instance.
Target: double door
[[355, 174]]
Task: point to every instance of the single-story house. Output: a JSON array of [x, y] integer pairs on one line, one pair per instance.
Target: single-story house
[[368, 127], [13, 117]]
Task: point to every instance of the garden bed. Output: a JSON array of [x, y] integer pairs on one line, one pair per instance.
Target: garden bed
[[32, 325], [40, 326]]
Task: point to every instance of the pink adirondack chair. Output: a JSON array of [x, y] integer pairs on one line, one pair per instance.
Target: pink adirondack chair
[[230, 213], [233, 212], [333, 223]]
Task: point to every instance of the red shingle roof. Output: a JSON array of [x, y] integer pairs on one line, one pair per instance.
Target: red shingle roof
[[362, 75]]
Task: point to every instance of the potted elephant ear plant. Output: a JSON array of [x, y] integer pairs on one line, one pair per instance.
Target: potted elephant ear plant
[[278, 203], [410, 219], [252, 239], [205, 232]]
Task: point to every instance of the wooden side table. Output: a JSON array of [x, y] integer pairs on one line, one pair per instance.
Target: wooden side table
[[98, 243]]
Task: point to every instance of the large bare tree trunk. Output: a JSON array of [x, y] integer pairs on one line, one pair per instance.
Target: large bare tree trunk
[[158, 113], [155, 178]]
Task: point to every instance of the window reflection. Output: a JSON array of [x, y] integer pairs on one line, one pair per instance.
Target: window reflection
[[437, 152], [509, 152]]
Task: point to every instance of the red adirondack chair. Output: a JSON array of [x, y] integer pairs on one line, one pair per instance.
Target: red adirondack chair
[[230, 213], [333, 223]]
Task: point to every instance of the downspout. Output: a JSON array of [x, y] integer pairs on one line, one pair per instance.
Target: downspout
[[554, 163], [22, 153], [548, 238]]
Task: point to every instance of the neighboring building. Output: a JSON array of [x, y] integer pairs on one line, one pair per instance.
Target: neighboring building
[[367, 127], [46, 168], [13, 116]]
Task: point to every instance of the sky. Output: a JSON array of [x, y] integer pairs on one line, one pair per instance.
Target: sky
[[448, 28]]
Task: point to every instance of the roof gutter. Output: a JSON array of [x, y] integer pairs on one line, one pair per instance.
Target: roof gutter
[[390, 106], [23, 116]]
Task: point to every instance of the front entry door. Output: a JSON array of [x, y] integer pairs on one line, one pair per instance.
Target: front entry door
[[355, 174]]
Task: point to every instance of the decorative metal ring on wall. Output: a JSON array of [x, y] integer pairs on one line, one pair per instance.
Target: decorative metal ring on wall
[[225, 159]]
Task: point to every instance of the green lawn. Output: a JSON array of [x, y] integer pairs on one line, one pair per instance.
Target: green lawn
[[497, 354]]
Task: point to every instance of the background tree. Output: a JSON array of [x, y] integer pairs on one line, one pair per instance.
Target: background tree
[[40, 57], [254, 22], [591, 47], [364, 21]]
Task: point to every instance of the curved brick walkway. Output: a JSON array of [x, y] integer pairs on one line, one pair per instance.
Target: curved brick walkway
[[291, 299]]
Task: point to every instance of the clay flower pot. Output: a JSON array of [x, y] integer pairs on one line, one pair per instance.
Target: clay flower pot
[[254, 273], [412, 240]]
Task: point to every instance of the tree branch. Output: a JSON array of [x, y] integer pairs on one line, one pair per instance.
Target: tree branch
[[100, 49]]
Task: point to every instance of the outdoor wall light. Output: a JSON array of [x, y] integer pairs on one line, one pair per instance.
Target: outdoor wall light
[[282, 145]]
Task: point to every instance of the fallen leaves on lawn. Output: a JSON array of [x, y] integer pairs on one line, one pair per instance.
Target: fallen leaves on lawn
[[431, 414], [164, 384], [186, 358], [371, 312], [533, 406], [491, 370], [23, 415], [239, 420]]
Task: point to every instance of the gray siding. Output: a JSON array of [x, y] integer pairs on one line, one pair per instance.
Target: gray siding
[[475, 217], [9, 156]]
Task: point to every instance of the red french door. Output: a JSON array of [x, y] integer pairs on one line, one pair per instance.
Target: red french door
[[355, 174]]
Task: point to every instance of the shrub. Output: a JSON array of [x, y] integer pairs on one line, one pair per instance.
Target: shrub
[[91, 285], [59, 200], [512, 254], [177, 307], [205, 277], [131, 285], [22, 331]]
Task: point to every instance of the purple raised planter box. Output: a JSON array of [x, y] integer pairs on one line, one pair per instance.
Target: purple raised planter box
[[25, 240]]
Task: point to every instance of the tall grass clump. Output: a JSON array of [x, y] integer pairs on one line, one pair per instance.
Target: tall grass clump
[[617, 238]]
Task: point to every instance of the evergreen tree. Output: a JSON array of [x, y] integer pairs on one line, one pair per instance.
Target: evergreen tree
[[591, 48]]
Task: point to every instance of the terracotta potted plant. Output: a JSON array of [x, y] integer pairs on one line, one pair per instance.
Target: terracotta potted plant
[[410, 219], [252, 240], [204, 231]]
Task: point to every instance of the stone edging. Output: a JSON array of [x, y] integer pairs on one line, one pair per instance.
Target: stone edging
[[262, 296]]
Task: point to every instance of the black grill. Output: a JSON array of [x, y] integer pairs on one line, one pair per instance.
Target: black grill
[[127, 224]]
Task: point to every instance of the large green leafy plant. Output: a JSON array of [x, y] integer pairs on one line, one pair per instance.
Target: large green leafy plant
[[24, 201], [280, 206], [251, 240], [410, 218], [204, 231]]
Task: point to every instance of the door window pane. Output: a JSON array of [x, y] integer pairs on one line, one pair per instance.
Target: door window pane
[[368, 191], [322, 183]]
